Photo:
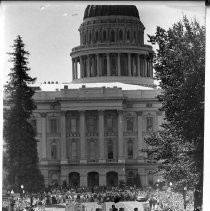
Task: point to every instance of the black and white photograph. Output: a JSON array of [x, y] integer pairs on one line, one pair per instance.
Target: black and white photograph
[[103, 105]]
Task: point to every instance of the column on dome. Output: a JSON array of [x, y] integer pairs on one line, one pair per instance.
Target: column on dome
[[73, 70], [44, 138], [140, 137], [94, 65], [81, 67], [134, 69], [88, 65], [145, 66], [92, 71], [138, 65], [98, 64], [121, 156], [108, 64], [63, 138], [75, 65], [83, 158], [129, 64], [151, 69], [118, 65], [101, 137], [142, 65]]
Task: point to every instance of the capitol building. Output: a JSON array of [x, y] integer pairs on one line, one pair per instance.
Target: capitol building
[[91, 131]]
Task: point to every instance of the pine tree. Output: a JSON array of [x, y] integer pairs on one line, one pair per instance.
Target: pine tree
[[180, 68], [21, 146]]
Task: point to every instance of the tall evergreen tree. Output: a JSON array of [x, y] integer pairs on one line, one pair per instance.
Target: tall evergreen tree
[[21, 145], [180, 68]]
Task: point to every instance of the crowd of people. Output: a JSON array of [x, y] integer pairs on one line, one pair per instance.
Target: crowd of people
[[163, 200]]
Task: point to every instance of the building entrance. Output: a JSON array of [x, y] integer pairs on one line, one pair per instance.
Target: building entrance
[[112, 178], [74, 179], [93, 179]]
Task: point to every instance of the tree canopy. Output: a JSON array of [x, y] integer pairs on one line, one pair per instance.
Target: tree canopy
[[19, 134], [180, 68]]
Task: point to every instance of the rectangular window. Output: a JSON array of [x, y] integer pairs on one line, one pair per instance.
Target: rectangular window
[[53, 151], [130, 149], [53, 125], [74, 150], [149, 123], [91, 124], [129, 124], [73, 123], [109, 124]]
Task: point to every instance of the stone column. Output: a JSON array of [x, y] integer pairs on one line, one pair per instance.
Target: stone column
[[140, 137], [63, 138], [102, 179], [73, 72], [121, 156], [138, 65], [118, 65], [83, 158], [98, 64], [129, 64], [81, 67], [44, 139], [101, 137], [88, 65], [108, 64], [83, 180]]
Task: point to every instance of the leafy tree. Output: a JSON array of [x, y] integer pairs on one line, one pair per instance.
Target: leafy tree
[[180, 68], [21, 145]]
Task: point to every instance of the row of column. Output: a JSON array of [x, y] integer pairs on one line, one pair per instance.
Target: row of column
[[113, 35], [92, 65], [83, 158]]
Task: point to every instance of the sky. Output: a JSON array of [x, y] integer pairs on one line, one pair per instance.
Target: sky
[[50, 30]]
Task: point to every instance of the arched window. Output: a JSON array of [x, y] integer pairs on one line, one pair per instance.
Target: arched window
[[128, 36], [110, 150], [97, 36], [104, 35], [112, 36], [120, 35], [92, 150], [53, 151], [90, 38], [130, 148], [74, 150], [134, 36]]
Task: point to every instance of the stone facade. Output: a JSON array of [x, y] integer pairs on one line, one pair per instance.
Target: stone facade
[[95, 135]]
